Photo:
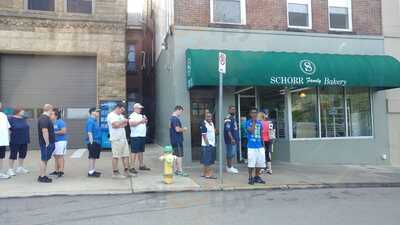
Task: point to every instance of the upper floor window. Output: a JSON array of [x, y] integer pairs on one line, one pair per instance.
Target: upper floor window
[[228, 11], [42, 5], [299, 14], [340, 15], [79, 6]]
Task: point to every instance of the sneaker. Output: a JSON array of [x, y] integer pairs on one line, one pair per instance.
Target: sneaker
[[60, 174], [251, 181], [133, 170], [231, 170], [94, 174], [11, 173], [269, 172], [128, 174], [144, 168], [4, 176], [259, 180], [234, 170], [118, 175], [181, 173], [55, 173], [263, 171], [44, 179], [22, 170]]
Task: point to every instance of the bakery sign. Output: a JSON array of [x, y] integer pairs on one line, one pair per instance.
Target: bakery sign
[[307, 78]]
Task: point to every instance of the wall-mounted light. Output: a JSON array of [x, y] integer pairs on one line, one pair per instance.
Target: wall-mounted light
[[302, 94]]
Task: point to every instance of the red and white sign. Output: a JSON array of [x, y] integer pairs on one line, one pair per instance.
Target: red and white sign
[[222, 63]]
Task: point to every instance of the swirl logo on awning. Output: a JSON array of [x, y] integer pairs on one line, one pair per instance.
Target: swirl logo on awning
[[307, 67]]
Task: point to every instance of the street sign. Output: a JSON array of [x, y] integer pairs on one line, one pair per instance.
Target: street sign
[[222, 63]]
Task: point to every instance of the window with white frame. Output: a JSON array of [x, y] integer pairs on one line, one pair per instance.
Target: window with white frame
[[41, 5], [340, 15], [331, 112], [79, 6], [228, 11], [299, 14]]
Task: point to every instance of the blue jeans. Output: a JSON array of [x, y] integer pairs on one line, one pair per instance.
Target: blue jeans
[[46, 153], [231, 150], [207, 155]]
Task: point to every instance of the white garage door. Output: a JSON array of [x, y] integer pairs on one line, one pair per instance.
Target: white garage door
[[67, 82]]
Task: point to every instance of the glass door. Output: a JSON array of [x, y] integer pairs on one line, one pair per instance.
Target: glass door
[[246, 100]]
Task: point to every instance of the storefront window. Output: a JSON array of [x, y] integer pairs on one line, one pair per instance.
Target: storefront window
[[359, 112], [341, 112], [305, 113], [274, 101], [333, 120]]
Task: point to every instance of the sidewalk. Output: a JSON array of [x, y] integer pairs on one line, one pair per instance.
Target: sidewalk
[[286, 176]]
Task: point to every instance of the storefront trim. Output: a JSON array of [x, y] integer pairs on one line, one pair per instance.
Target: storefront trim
[[332, 138]]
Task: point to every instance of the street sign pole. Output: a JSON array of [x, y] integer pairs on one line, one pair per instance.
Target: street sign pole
[[221, 127], [222, 71]]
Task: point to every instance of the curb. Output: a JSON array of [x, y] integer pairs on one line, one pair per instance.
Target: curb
[[286, 187]]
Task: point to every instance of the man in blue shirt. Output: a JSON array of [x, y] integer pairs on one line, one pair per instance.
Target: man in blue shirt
[[231, 137], [255, 149], [176, 137], [93, 141]]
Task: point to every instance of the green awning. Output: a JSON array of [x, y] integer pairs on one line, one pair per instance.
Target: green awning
[[250, 68]]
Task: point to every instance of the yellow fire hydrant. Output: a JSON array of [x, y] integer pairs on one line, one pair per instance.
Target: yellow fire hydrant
[[168, 160]]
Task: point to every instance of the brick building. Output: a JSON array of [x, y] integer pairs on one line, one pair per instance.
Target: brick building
[[319, 67], [71, 53]]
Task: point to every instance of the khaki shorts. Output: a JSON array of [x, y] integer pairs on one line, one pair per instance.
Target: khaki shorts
[[120, 148]]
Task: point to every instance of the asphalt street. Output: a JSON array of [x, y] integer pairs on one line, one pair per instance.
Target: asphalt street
[[367, 206]]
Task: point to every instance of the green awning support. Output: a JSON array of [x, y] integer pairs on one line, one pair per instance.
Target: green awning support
[[251, 68]]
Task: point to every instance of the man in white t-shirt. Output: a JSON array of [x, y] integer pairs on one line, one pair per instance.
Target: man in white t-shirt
[[138, 124], [4, 140], [119, 144]]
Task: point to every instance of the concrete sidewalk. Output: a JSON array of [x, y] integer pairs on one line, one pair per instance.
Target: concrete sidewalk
[[286, 176]]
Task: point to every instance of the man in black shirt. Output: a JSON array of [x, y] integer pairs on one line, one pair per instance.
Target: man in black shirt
[[46, 141]]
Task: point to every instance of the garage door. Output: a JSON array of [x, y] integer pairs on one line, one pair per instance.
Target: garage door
[[67, 82]]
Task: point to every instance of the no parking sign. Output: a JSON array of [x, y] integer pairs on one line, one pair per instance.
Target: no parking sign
[[222, 63]]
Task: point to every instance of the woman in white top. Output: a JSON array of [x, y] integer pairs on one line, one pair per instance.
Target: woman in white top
[[208, 146], [4, 140]]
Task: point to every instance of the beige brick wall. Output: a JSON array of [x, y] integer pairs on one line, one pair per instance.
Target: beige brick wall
[[272, 15], [101, 34]]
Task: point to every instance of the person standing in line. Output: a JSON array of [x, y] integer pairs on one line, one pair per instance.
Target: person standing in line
[[93, 141], [255, 150], [4, 140], [119, 143], [19, 140], [176, 137], [46, 141], [268, 136], [138, 124], [231, 137], [60, 129], [208, 146]]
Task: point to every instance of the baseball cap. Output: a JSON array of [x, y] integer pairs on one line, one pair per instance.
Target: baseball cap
[[138, 105], [94, 109]]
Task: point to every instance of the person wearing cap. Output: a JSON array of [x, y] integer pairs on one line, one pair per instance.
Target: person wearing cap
[[138, 124], [119, 143], [93, 140]]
